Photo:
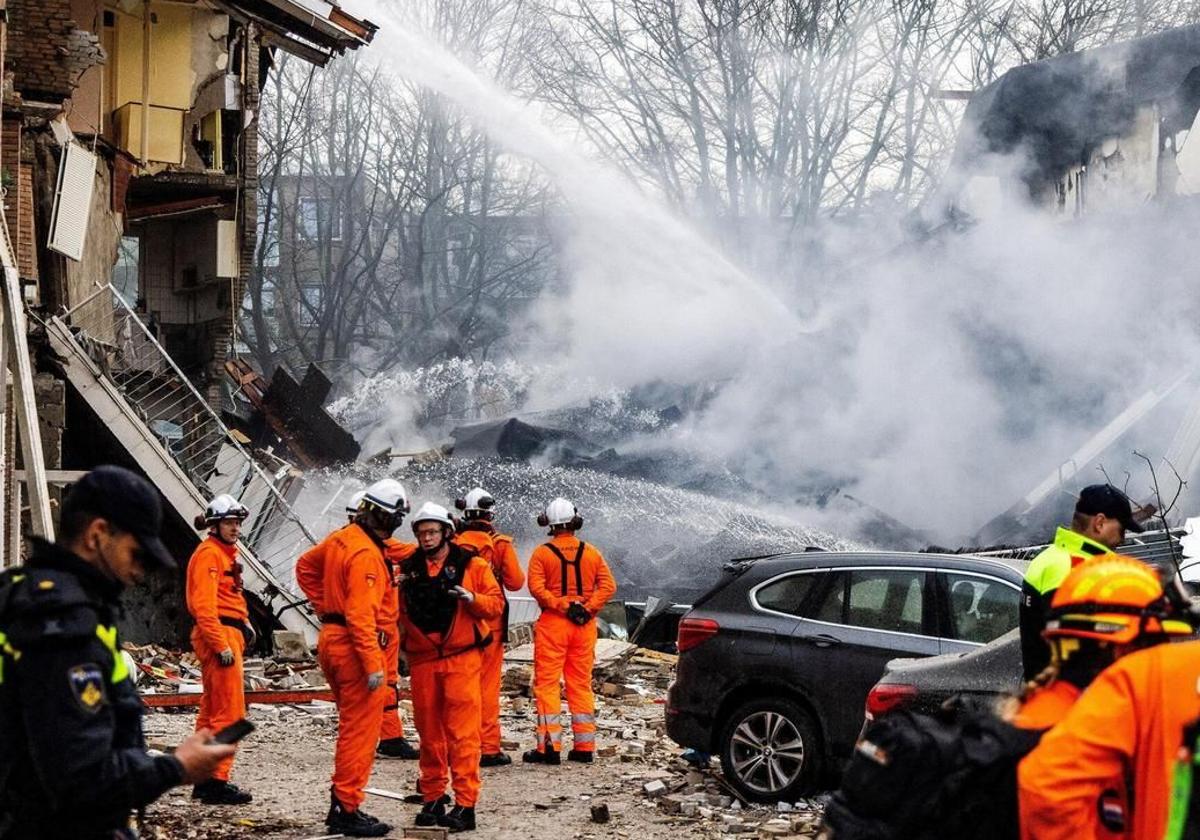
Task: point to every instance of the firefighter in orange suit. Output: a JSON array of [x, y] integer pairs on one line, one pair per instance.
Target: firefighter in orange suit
[[220, 637], [392, 743], [479, 532], [310, 570], [571, 583], [1124, 731], [1083, 642], [351, 645], [448, 596]]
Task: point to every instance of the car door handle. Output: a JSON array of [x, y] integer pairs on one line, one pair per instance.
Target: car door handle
[[822, 640]]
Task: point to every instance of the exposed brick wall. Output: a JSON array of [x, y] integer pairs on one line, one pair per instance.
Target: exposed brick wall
[[47, 52], [18, 196]]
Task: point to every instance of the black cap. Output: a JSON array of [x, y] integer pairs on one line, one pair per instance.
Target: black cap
[[129, 502], [1106, 499]]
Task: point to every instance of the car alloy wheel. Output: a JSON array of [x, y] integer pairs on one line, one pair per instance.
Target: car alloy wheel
[[771, 750], [767, 752]]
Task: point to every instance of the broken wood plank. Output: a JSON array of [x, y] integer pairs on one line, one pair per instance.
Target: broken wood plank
[[161, 701]]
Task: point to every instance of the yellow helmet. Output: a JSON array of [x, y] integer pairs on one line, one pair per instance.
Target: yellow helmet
[[1112, 598]]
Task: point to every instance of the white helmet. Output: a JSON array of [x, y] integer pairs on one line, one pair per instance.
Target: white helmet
[[355, 501], [388, 495], [561, 511], [224, 507], [477, 503], [431, 512]]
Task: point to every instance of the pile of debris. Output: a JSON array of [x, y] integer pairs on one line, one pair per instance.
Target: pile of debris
[[159, 670]]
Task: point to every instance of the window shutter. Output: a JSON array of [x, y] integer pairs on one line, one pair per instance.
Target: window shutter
[[72, 201]]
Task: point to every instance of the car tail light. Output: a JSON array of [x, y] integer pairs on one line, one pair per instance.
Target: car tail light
[[885, 697], [693, 631]]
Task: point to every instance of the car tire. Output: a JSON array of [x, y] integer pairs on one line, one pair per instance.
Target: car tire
[[770, 750]]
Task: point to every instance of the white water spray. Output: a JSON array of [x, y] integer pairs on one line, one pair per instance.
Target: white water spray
[[629, 257]]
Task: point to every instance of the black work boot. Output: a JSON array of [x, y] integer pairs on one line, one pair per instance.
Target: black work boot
[[433, 813], [460, 818], [539, 757], [582, 756], [218, 792], [397, 748], [494, 760], [353, 823]]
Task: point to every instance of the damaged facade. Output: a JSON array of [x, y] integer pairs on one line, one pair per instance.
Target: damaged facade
[[1105, 129], [130, 170]]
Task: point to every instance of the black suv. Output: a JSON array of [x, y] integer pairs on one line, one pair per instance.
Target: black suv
[[775, 662]]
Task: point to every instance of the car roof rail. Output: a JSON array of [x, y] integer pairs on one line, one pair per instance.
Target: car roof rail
[[740, 564]]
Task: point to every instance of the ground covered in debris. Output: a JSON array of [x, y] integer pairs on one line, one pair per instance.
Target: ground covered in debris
[[648, 790]]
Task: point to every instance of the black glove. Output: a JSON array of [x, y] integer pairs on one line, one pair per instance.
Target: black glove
[[578, 613]]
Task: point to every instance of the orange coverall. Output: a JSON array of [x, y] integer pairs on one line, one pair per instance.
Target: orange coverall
[[215, 600], [497, 549], [443, 638], [389, 622], [356, 580], [310, 571], [1130, 719], [562, 648], [1047, 705]]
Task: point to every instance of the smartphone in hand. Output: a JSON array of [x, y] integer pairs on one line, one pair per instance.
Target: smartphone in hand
[[233, 733]]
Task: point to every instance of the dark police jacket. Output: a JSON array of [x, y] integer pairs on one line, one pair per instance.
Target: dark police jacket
[[73, 759]]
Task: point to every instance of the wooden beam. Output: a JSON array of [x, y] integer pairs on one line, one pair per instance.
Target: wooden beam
[[179, 701], [58, 476], [21, 365]]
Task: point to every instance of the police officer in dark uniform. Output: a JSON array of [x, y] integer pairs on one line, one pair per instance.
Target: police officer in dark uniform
[[73, 760]]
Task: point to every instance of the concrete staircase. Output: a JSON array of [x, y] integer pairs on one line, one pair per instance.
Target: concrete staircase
[[115, 363]]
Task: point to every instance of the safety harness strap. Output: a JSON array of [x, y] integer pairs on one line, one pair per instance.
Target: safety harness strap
[[565, 562]]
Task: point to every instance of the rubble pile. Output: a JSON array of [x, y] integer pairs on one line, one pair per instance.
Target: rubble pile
[[160, 670]]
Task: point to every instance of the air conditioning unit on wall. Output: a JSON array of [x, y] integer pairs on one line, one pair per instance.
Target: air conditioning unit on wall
[[228, 256]]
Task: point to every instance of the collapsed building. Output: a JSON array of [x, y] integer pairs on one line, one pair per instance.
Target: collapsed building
[[129, 166], [1103, 129]]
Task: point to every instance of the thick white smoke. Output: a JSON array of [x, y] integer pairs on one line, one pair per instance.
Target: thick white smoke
[[937, 380]]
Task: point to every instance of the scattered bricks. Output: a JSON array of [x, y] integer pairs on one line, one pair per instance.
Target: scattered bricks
[[689, 809], [634, 748], [606, 751], [671, 804], [718, 800], [290, 646], [654, 789], [315, 678], [519, 705], [426, 833], [600, 812], [610, 690], [783, 807], [774, 828], [509, 746], [694, 778], [517, 680]]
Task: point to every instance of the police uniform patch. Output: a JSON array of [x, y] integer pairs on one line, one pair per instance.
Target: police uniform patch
[[87, 686]]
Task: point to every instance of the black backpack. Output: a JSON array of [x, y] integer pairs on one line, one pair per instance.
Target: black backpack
[[914, 776]]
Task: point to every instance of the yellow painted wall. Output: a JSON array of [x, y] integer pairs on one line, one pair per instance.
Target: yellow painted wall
[[170, 79], [170, 57]]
